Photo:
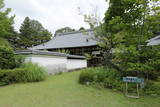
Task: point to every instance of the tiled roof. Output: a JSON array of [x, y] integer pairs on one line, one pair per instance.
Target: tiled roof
[[69, 40]]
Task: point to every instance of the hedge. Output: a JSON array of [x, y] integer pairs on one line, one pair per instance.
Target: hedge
[[11, 76]]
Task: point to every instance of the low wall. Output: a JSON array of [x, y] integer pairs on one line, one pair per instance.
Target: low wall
[[76, 64], [55, 64]]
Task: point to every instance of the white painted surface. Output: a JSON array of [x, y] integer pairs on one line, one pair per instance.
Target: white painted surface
[[76, 64], [154, 42], [54, 64]]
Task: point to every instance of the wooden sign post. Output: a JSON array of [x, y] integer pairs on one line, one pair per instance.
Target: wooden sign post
[[136, 80]]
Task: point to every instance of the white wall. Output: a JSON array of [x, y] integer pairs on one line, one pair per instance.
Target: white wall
[[54, 64], [154, 42], [76, 64]]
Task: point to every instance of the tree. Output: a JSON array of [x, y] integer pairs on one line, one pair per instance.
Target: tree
[[5, 21], [64, 30], [81, 29], [124, 35], [6, 25], [128, 24], [32, 33], [13, 38]]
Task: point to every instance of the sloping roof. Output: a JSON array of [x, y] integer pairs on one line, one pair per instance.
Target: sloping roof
[[69, 40], [37, 52], [154, 41]]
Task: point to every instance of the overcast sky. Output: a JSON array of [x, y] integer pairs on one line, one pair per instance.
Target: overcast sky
[[55, 14]]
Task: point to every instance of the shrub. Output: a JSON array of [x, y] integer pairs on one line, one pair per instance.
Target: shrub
[[152, 88], [109, 78], [6, 55], [19, 60], [7, 58], [27, 73], [11, 76], [113, 80], [86, 76], [34, 73]]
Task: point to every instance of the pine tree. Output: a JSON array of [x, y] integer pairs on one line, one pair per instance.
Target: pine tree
[[32, 33]]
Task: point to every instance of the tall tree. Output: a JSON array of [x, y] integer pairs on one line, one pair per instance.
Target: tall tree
[[125, 33], [13, 38], [32, 33]]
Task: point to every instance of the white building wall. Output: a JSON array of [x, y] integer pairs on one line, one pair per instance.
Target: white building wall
[[76, 64], [52, 64], [55, 64]]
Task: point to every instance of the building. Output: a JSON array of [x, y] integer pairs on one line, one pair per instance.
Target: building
[[154, 41], [54, 62], [75, 43]]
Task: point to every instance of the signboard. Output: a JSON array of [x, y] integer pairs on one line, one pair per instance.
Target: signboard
[[133, 80]]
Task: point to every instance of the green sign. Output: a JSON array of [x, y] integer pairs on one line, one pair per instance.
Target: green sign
[[133, 80]]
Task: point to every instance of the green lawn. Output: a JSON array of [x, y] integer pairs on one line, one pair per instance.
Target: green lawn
[[64, 91]]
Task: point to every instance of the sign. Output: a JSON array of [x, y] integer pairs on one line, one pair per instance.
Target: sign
[[133, 80], [136, 80]]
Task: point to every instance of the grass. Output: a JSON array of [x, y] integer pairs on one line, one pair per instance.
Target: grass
[[64, 91]]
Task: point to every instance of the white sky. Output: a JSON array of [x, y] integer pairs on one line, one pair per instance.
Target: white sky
[[55, 14]]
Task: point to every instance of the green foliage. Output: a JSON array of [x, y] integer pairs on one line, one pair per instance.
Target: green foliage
[[89, 56], [81, 29], [7, 58], [6, 55], [86, 76], [51, 92], [32, 33], [124, 34], [33, 73], [104, 76], [152, 88], [63, 51], [27, 73], [64, 30], [142, 63], [19, 60], [5, 21], [112, 79], [11, 76]]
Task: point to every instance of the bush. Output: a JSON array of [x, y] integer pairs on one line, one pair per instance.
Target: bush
[[19, 60], [34, 73], [152, 88], [7, 58], [113, 80], [108, 78], [11, 76], [86, 76], [6, 55], [27, 73]]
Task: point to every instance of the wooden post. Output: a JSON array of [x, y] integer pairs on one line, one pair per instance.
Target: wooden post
[[126, 88], [137, 90]]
